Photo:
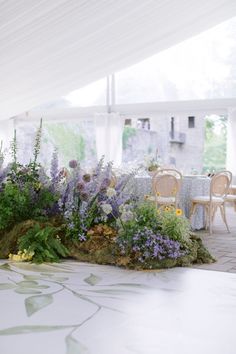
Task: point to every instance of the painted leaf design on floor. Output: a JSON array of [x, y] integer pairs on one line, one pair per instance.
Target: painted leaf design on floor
[[28, 284], [36, 303], [60, 279], [75, 347], [27, 291], [92, 279], [6, 286], [5, 266], [114, 291], [30, 329]]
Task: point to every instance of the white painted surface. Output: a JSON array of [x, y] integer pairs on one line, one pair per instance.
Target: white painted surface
[[178, 311]]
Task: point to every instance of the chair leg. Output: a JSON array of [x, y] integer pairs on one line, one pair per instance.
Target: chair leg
[[192, 211], [214, 212], [223, 214], [210, 217], [206, 217]]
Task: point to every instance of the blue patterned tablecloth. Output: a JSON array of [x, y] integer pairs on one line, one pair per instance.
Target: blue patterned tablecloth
[[192, 186]]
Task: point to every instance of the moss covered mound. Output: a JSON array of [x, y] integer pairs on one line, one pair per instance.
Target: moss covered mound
[[105, 251], [101, 248], [9, 238]]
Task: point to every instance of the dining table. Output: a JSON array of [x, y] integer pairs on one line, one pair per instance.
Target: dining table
[[191, 186]]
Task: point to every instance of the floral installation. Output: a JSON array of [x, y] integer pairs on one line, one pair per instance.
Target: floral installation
[[89, 215]]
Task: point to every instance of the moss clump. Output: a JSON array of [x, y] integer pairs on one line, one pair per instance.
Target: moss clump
[[101, 250], [101, 247], [9, 238]]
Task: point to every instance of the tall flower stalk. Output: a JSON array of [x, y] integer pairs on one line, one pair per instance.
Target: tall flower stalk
[[37, 144]]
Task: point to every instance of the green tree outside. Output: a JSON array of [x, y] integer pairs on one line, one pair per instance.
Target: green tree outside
[[215, 143]]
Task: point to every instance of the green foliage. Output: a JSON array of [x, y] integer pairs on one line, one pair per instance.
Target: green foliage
[[22, 203], [45, 244], [22, 195], [69, 142], [215, 144], [175, 226], [145, 216], [128, 132]]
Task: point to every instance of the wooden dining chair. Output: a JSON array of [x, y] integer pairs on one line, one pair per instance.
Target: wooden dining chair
[[231, 196], [219, 187], [166, 184]]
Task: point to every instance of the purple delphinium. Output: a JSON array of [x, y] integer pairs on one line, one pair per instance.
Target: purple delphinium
[[147, 245]]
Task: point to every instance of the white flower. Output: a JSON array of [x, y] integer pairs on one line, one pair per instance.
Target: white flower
[[111, 192], [127, 215], [106, 208], [121, 208]]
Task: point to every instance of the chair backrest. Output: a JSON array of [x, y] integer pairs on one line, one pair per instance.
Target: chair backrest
[[220, 184], [166, 182]]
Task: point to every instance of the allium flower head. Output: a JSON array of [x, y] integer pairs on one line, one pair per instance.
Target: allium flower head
[[73, 163], [86, 177], [80, 186], [106, 208], [111, 192], [84, 196]]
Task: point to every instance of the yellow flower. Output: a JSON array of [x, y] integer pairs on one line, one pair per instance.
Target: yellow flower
[[16, 257], [174, 191], [158, 194], [167, 208], [21, 256], [178, 212]]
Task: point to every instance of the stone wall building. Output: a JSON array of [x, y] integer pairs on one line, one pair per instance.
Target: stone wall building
[[178, 138]]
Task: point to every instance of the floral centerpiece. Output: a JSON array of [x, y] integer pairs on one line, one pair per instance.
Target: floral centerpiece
[[152, 164]]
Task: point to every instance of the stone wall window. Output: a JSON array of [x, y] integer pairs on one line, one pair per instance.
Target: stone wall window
[[172, 127], [128, 121], [191, 122], [143, 123]]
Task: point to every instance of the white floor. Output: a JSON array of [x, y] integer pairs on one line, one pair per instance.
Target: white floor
[[75, 308]]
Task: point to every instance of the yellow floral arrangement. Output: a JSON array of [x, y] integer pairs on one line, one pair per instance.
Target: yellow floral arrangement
[[21, 256]]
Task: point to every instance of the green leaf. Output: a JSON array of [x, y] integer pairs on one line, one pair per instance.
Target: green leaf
[[92, 279], [32, 277], [134, 285], [5, 266], [59, 279], [28, 284], [27, 291], [30, 329], [32, 284], [114, 291], [74, 347], [6, 286], [36, 303]]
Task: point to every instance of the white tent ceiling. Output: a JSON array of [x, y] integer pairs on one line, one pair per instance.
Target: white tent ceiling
[[51, 47]]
